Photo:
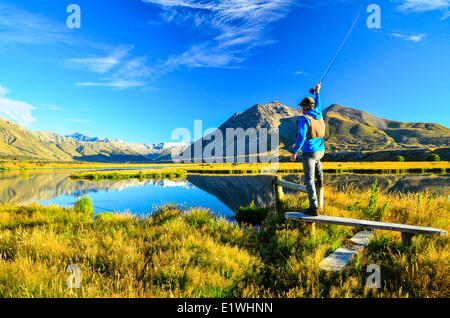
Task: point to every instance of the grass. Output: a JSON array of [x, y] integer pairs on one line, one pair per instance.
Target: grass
[[394, 167], [177, 253], [329, 167], [74, 165], [282, 168], [251, 214], [131, 174]]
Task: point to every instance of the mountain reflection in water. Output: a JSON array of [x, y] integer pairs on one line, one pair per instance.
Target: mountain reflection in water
[[221, 194]]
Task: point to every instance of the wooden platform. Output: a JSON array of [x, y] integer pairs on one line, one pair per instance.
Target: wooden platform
[[410, 229], [337, 260]]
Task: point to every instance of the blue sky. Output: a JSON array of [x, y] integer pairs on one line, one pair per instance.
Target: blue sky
[[137, 69]]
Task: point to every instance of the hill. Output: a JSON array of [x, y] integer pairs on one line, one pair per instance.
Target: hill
[[348, 131], [355, 130]]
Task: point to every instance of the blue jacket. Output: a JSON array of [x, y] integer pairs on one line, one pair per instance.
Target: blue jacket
[[311, 145]]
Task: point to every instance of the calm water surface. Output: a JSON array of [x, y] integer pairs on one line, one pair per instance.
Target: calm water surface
[[222, 194]]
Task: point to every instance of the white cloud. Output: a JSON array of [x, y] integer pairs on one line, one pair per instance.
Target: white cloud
[[113, 83], [78, 120], [236, 27], [100, 64], [424, 5], [131, 73], [446, 15], [412, 37], [20, 26], [3, 91], [50, 107], [18, 111]]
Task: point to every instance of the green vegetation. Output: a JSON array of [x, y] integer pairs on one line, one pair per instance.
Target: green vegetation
[[176, 253], [371, 212], [251, 215], [400, 158], [131, 174], [433, 157], [84, 205]]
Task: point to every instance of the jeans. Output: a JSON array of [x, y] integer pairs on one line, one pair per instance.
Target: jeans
[[312, 167]]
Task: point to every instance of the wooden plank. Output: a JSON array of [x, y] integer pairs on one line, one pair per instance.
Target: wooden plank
[[292, 186], [407, 238], [340, 258], [296, 216]]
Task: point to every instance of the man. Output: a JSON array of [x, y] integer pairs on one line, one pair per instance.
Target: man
[[311, 130]]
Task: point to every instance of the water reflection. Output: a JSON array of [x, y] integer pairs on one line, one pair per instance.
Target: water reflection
[[221, 194]]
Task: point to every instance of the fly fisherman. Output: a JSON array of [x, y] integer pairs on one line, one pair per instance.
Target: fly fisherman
[[310, 133]]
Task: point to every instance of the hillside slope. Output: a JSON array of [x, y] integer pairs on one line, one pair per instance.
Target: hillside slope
[[355, 130], [348, 130]]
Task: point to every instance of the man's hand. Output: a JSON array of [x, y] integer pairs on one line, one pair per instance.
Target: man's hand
[[318, 86], [293, 157]]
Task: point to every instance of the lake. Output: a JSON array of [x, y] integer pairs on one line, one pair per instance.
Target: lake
[[221, 194]]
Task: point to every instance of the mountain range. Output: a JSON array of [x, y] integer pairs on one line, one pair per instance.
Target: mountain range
[[21, 143], [349, 132]]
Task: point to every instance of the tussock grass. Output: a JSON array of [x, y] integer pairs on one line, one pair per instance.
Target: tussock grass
[[177, 253]]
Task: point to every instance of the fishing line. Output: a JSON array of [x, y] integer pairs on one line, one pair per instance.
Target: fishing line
[[312, 90]]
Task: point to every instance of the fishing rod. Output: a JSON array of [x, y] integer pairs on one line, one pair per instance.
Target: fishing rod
[[312, 90]]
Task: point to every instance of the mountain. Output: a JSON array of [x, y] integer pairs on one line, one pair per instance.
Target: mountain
[[351, 134], [348, 130], [19, 142]]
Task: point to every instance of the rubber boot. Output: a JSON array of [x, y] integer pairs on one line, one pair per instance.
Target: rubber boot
[[311, 211]]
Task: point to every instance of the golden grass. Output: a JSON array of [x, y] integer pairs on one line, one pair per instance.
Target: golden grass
[[227, 168], [178, 253], [281, 168], [76, 165]]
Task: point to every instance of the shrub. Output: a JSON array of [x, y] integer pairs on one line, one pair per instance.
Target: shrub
[[400, 158], [104, 216], [24, 165], [433, 157], [371, 211], [84, 205], [251, 214]]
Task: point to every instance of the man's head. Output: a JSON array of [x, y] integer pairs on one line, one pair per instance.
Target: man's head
[[307, 104]]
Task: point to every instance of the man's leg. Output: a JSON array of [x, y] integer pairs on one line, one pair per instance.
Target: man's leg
[[319, 170], [309, 166]]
